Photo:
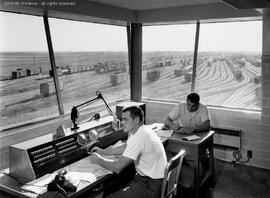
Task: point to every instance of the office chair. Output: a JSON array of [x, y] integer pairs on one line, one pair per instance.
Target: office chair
[[171, 175]]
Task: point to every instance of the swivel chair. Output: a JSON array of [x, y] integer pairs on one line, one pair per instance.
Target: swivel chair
[[171, 175]]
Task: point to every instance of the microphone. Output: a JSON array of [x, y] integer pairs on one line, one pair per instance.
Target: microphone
[[74, 115]]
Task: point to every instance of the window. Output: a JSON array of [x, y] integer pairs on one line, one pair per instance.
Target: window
[[167, 61], [228, 72], [229, 64], [27, 93], [90, 57]]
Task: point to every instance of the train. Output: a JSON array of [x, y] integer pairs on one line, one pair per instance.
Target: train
[[153, 70], [186, 68], [110, 67], [70, 69], [235, 68], [185, 62], [118, 78], [21, 73], [257, 79], [238, 74], [153, 75], [255, 62], [187, 73], [188, 76], [48, 88], [149, 64], [178, 72], [183, 70]]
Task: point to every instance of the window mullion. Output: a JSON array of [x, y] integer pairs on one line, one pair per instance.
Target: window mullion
[[53, 65], [194, 67]]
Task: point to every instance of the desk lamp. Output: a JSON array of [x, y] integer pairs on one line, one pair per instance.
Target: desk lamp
[[75, 113]]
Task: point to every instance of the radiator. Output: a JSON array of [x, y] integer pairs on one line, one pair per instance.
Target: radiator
[[227, 138]]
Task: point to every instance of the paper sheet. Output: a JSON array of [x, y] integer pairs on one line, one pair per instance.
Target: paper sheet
[[86, 166], [120, 142], [82, 176]]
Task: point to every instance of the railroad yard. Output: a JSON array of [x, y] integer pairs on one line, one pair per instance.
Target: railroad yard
[[224, 80]]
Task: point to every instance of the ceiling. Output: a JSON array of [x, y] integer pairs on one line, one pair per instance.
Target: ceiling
[[147, 12], [139, 5]]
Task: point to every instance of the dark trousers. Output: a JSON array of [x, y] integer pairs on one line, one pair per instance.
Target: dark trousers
[[140, 187]]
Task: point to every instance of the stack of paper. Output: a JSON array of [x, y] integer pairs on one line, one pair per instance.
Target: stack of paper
[[191, 137], [164, 133], [34, 189], [39, 185], [86, 166]]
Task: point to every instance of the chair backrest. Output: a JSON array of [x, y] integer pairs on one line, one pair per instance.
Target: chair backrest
[[171, 175]]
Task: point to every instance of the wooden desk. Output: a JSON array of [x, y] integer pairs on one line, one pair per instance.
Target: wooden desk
[[195, 150]]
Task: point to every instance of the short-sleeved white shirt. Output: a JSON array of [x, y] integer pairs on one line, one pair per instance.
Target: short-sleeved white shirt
[[147, 151], [189, 119]]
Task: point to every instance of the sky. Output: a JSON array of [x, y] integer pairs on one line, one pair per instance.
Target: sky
[[26, 33]]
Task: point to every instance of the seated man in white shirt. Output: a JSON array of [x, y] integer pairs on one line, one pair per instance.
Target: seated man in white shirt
[[190, 117], [143, 148]]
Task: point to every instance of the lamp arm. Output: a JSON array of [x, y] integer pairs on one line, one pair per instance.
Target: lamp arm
[[75, 113], [87, 102], [115, 122], [99, 95]]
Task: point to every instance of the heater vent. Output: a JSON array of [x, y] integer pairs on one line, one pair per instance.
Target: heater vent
[[227, 138]]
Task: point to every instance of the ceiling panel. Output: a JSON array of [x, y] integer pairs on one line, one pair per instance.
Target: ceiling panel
[[248, 4], [139, 5]]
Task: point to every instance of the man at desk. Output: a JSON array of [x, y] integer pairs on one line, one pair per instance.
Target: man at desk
[[143, 148], [191, 116]]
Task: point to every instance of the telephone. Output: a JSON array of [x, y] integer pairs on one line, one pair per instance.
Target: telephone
[[62, 183]]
